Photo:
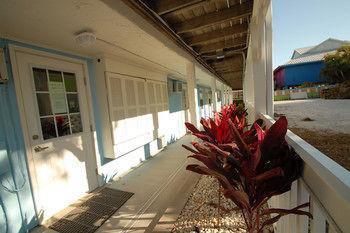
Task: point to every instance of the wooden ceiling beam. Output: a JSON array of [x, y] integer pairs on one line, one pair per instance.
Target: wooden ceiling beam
[[237, 11], [239, 41], [229, 31], [228, 66], [235, 60], [164, 28], [229, 70], [166, 6]]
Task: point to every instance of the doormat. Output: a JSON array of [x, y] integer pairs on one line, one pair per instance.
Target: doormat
[[90, 214]]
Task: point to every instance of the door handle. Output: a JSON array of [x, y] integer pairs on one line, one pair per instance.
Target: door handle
[[39, 148]]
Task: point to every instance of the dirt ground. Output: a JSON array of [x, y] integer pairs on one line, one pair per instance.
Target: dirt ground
[[325, 124], [334, 145]]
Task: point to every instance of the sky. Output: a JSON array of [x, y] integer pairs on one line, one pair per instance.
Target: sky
[[302, 23]]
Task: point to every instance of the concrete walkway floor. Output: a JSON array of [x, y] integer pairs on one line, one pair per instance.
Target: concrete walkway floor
[[161, 186]]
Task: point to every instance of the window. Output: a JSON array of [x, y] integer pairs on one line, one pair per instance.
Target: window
[[179, 86], [58, 103], [210, 95], [174, 89], [219, 97], [132, 104], [201, 99], [184, 101]]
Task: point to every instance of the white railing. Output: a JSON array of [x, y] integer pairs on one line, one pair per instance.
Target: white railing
[[324, 183]]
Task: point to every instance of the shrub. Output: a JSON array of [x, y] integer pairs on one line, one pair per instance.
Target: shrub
[[281, 97], [251, 165], [313, 95]]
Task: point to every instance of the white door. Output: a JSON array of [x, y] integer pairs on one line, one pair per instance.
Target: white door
[[58, 130]]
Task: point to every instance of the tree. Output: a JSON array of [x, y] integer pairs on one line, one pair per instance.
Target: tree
[[337, 65]]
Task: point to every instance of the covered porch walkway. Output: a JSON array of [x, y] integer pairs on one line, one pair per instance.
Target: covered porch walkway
[[161, 187]]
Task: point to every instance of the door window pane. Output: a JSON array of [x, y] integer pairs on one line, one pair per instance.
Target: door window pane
[[58, 103], [48, 127], [75, 121], [57, 92], [55, 76], [40, 79], [70, 82], [73, 103], [44, 104], [62, 123]]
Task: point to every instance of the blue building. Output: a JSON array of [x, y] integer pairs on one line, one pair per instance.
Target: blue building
[[305, 65]]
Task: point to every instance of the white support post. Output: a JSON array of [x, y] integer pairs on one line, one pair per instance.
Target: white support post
[[214, 94], [259, 77], [230, 95], [261, 58], [192, 92], [269, 65]]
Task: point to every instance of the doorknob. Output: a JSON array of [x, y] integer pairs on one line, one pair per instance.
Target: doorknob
[[39, 148]]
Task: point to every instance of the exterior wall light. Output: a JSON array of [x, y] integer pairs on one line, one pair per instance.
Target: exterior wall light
[[85, 39]]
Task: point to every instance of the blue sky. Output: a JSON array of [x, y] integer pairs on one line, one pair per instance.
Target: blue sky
[[301, 23]]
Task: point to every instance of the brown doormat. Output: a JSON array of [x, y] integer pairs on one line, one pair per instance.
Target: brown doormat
[[90, 214]]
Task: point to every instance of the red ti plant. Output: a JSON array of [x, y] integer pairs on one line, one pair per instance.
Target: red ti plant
[[251, 166]]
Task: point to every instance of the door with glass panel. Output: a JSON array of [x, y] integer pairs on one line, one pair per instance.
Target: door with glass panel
[[58, 130]]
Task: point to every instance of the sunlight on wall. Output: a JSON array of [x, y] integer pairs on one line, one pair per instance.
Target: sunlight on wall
[[177, 127], [131, 133]]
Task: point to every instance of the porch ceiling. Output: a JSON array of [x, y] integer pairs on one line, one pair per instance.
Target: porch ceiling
[[216, 32]]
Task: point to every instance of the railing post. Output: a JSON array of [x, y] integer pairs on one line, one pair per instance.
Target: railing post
[[319, 221], [293, 202], [303, 197]]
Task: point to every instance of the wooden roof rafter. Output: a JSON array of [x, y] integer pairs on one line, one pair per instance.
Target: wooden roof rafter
[[166, 6], [213, 31], [239, 12], [225, 44], [216, 34]]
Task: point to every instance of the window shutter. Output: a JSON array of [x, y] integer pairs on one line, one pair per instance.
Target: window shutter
[[132, 102]]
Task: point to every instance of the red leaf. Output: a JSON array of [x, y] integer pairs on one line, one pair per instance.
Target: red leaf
[[202, 136], [260, 132], [203, 150], [240, 198], [191, 128], [255, 159], [205, 160], [217, 118], [268, 175], [189, 148], [195, 168], [276, 134], [240, 143], [216, 149], [228, 146]]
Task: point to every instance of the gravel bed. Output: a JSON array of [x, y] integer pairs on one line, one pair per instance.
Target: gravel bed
[[199, 217]]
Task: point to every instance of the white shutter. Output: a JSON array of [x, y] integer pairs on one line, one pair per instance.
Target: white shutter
[[151, 95], [165, 97], [132, 105]]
